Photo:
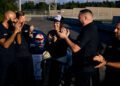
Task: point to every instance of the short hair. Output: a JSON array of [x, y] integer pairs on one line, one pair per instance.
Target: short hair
[[9, 13], [19, 13], [86, 11]]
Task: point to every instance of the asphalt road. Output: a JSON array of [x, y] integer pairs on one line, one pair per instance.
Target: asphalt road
[[46, 25]]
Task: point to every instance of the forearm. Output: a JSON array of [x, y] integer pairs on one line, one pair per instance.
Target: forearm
[[10, 40], [113, 64], [74, 47]]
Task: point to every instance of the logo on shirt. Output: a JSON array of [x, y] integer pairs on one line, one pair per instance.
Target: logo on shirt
[[5, 34]]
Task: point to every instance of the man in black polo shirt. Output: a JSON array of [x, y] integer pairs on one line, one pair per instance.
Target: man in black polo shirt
[[25, 72], [112, 60], [84, 50], [8, 33]]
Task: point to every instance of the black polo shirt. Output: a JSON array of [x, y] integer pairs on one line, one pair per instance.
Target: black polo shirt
[[23, 49], [6, 53], [112, 52], [88, 41]]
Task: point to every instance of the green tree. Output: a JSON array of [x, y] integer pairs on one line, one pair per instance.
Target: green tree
[[28, 5], [7, 5], [41, 6]]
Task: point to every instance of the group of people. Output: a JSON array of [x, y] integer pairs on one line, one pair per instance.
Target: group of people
[[16, 66]]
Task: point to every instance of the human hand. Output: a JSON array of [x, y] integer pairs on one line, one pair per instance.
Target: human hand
[[18, 27], [64, 33], [100, 59]]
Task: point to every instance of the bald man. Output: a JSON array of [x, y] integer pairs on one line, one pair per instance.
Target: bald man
[[111, 60], [84, 50], [9, 30]]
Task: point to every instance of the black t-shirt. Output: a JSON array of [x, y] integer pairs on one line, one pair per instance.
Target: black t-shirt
[[57, 49], [88, 42], [6, 52], [23, 49], [112, 54]]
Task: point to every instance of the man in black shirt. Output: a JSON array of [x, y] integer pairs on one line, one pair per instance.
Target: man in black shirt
[[112, 60], [8, 33], [25, 73], [84, 50]]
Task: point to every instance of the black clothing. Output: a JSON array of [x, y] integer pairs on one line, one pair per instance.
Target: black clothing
[[112, 54], [25, 71], [7, 58], [56, 49], [54, 67], [83, 64], [23, 49]]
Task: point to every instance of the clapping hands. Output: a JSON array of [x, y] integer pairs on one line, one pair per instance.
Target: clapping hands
[[64, 33]]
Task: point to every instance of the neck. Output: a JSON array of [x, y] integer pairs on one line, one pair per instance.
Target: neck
[[5, 24]]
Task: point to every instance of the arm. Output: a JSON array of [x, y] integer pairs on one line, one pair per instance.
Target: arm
[[113, 64], [64, 34], [6, 43], [101, 59], [75, 48]]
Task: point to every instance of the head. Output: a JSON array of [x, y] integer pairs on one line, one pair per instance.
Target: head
[[9, 15], [58, 22], [20, 15], [39, 38], [85, 16], [10, 19], [117, 31]]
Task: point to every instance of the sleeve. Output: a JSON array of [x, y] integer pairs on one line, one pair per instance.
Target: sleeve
[[2, 33]]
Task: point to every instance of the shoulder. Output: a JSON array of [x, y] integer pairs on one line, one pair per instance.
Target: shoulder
[[1, 26], [26, 26], [91, 28], [2, 29]]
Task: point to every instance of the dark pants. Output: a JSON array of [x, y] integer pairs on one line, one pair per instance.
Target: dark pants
[[7, 70], [52, 73], [112, 78], [84, 76], [25, 71]]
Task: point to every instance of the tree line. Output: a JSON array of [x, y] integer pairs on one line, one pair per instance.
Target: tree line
[[69, 5], [42, 6]]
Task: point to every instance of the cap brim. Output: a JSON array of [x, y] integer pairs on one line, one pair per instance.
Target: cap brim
[[55, 20]]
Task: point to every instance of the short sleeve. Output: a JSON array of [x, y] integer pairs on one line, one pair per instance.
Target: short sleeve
[[2, 33]]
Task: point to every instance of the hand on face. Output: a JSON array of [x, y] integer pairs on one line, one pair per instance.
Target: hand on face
[[18, 27]]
